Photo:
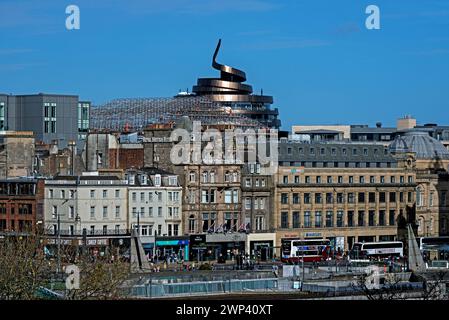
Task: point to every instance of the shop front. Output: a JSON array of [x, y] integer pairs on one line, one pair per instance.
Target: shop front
[[261, 246], [172, 247], [225, 246]]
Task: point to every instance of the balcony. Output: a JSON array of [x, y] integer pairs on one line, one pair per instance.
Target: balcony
[[90, 233]]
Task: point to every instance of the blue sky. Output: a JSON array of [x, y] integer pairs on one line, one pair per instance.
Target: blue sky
[[315, 57]]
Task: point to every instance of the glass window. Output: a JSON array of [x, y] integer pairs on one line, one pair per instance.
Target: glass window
[[284, 220], [318, 222], [307, 221]]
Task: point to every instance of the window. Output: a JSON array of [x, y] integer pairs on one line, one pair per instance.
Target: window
[[401, 179], [235, 196], [329, 219], [392, 217], [159, 212], [382, 179], [297, 179], [372, 179], [296, 198], [159, 229], [50, 193], [105, 193], [71, 212], [247, 203], [419, 198], [318, 221], [371, 218], [350, 218], [318, 198], [257, 183], [144, 231], [361, 179], [205, 177], [443, 198], [92, 229], [284, 198], [142, 212], [247, 182], [192, 224], [306, 198], [307, 179], [340, 179], [372, 197], [117, 212], [340, 197], [72, 194], [54, 212], [159, 196], [329, 179], [361, 218], [361, 198], [295, 219], [307, 221], [284, 220], [351, 197], [150, 196], [329, 197], [192, 176], [105, 229], [410, 179], [318, 179], [365, 151], [260, 221], [142, 197], [92, 212], [285, 179], [392, 179], [381, 217], [339, 219], [392, 196], [92, 194], [262, 203], [382, 197], [62, 194], [150, 212], [212, 177], [289, 150], [351, 179], [134, 211], [322, 151], [176, 229], [228, 196], [134, 196], [117, 193]]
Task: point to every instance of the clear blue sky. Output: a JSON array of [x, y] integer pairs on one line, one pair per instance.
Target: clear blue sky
[[315, 57]]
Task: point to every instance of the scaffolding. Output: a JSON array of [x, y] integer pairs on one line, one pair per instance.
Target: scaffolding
[[137, 113]]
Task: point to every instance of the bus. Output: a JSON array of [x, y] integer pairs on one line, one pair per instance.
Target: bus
[[434, 247], [366, 250], [313, 250]]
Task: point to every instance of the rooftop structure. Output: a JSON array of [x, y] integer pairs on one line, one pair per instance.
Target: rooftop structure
[[419, 142], [214, 101]]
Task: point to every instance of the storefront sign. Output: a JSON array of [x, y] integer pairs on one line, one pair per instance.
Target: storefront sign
[[312, 234]]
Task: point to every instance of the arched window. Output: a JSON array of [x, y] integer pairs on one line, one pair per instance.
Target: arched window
[[419, 197], [192, 224], [227, 176]]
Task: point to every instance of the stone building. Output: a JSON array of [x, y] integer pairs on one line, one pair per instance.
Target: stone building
[[345, 192], [21, 204], [16, 154], [95, 203], [429, 159]]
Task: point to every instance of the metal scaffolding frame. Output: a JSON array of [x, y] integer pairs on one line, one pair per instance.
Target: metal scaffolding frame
[[137, 113]]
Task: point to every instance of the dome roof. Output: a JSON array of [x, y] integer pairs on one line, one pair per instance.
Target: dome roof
[[421, 143]]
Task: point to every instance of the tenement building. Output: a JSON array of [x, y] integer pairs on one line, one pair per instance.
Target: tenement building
[[91, 203], [21, 205], [346, 192]]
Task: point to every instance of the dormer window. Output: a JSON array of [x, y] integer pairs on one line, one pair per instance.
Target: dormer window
[[157, 180]]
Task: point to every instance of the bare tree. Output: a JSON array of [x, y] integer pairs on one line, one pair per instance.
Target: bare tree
[[25, 270], [23, 267]]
